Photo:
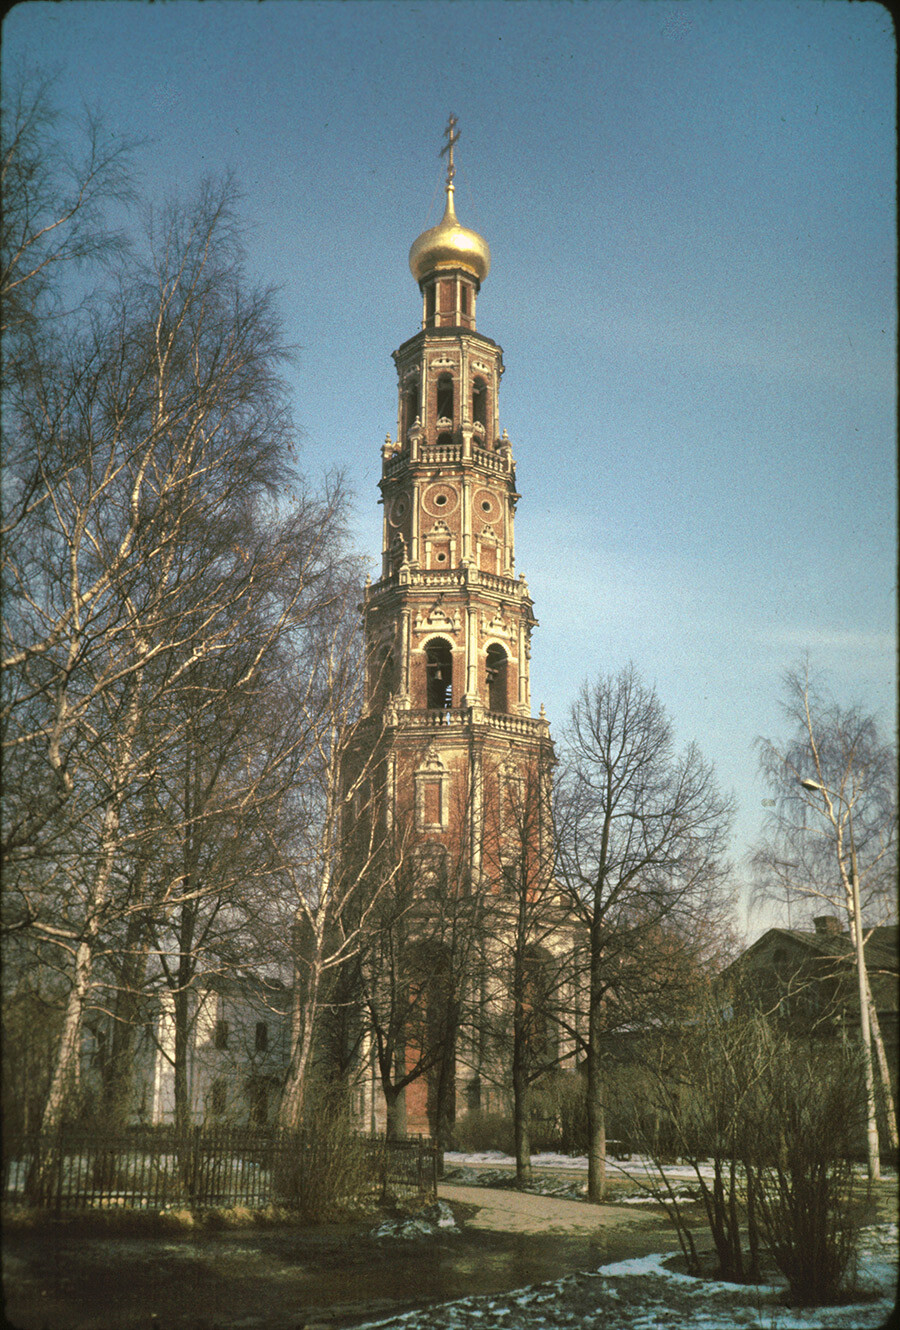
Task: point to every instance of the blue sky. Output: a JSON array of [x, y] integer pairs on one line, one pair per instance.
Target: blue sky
[[690, 208]]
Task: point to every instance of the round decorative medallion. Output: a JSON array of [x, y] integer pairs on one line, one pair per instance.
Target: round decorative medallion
[[487, 506], [440, 499], [398, 510]]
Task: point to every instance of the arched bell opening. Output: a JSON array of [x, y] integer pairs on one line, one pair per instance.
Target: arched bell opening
[[479, 406], [431, 1030], [445, 407], [411, 409], [496, 672], [382, 683], [438, 675], [430, 867], [540, 1007]]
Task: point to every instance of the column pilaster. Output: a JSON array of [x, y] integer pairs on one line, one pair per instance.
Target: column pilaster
[[404, 658], [414, 526], [471, 656]]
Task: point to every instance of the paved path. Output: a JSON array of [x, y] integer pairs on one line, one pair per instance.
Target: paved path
[[521, 1212]]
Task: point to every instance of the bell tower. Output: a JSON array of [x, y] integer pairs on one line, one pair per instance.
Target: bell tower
[[448, 624]]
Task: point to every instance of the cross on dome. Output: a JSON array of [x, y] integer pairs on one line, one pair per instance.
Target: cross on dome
[[451, 134], [449, 245]]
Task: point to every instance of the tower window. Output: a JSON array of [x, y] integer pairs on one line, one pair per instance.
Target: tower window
[[410, 408], [464, 299], [429, 304], [219, 1096], [381, 683], [496, 678], [432, 781], [431, 800], [258, 1092], [445, 397], [479, 403], [541, 1037], [221, 1035], [439, 675]]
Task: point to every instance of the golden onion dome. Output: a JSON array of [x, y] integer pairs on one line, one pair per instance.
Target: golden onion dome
[[449, 245]]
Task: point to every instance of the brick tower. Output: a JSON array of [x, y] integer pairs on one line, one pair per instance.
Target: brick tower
[[448, 624]]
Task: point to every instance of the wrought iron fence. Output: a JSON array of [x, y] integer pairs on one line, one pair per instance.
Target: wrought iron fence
[[159, 1168]]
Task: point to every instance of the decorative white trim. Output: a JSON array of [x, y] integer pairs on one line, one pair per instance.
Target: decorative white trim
[[498, 626], [431, 493], [437, 618], [430, 772], [439, 533]]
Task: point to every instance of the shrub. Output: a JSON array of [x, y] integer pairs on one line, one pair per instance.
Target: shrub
[[777, 1117], [559, 1113], [479, 1131], [802, 1175], [335, 1168]]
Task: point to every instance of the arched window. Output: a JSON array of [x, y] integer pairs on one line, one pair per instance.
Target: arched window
[[445, 407], [382, 674], [410, 408], [258, 1094], [397, 553], [219, 1097], [539, 1006], [432, 782], [479, 403], [432, 1021], [496, 671], [438, 675], [430, 867]]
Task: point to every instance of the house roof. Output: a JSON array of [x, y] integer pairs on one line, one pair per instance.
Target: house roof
[[881, 947]]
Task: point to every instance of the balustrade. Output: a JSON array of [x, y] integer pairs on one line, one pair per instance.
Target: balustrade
[[526, 727], [435, 454], [514, 588]]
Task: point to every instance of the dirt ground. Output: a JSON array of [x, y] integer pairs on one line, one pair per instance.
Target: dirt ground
[[300, 1279], [290, 1278]]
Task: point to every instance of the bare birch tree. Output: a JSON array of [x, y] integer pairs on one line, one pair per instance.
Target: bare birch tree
[[831, 842], [56, 180], [146, 537], [332, 860]]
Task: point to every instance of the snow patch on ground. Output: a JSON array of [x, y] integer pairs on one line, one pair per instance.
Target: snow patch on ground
[[498, 1157], [436, 1218], [645, 1294]]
